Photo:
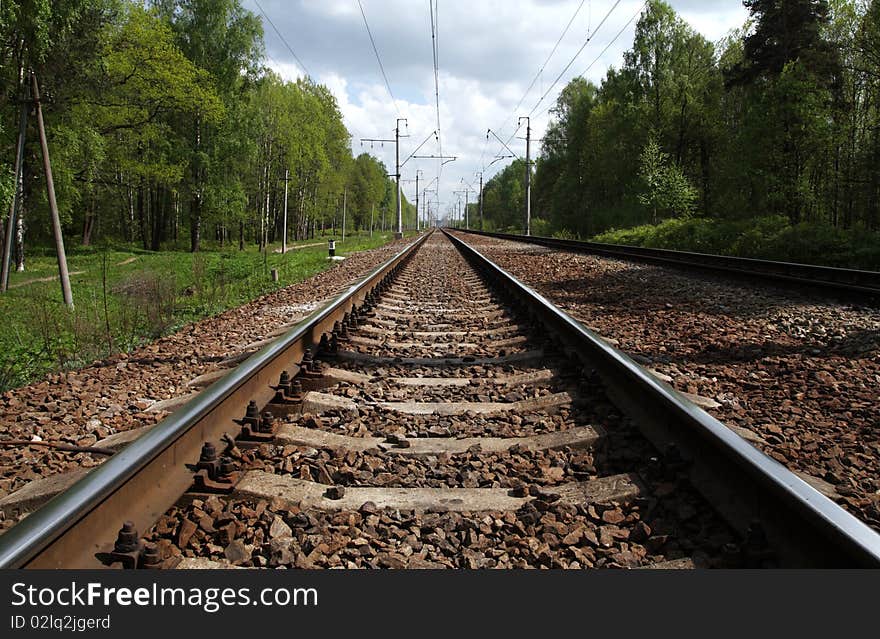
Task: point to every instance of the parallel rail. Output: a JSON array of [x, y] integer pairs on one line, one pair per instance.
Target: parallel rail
[[804, 527], [140, 483], [147, 477], [830, 279]]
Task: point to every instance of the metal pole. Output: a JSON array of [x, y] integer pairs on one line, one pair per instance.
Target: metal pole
[[372, 213], [284, 233], [481, 200], [16, 199], [528, 177], [399, 233], [425, 208], [417, 200], [53, 205]]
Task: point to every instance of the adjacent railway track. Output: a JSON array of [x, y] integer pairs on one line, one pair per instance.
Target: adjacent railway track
[[440, 414], [850, 282]]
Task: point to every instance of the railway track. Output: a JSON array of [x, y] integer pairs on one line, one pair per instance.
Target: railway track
[[440, 414], [841, 281]]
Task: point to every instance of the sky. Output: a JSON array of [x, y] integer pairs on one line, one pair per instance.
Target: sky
[[489, 54]]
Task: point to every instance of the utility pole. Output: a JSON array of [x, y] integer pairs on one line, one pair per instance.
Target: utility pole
[[481, 200], [284, 232], [344, 204], [372, 213], [53, 205], [16, 194], [466, 192], [399, 233], [528, 226], [417, 200], [425, 209]]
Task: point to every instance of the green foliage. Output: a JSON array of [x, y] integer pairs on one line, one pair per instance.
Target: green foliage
[[772, 237], [149, 294], [166, 129], [780, 118], [667, 191]]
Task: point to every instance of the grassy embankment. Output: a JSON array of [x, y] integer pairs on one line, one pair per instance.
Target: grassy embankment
[[771, 238], [125, 297]]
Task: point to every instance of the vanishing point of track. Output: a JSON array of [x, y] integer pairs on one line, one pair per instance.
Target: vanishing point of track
[[440, 414]]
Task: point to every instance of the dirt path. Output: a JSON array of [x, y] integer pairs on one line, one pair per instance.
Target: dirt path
[[42, 279]]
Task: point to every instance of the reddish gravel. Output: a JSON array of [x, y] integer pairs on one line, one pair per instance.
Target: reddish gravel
[[799, 376], [84, 406]]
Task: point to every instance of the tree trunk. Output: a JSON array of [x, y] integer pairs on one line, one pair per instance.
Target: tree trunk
[[19, 239], [88, 226], [142, 217], [159, 214]]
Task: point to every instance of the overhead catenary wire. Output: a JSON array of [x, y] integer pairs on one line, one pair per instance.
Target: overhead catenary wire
[[348, 125], [283, 39], [434, 11], [378, 57], [574, 57], [552, 52], [607, 46]]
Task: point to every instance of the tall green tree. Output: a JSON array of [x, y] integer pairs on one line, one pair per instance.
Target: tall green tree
[[226, 40]]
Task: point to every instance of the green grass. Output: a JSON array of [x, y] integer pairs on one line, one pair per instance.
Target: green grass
[[771, 238], [153, 295]]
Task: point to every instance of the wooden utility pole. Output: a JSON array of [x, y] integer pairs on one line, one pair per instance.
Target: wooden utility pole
[[53, 205]]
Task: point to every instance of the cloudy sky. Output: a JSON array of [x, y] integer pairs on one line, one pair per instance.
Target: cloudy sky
[[490, 51]]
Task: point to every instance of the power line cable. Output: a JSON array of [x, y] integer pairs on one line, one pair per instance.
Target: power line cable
[[575, 57], [378, 58], [283, 39], [605, 50], [434, 10], [555, 47]]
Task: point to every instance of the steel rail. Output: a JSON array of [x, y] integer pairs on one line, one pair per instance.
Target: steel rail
[[148, 476], [842, 280], [803, 527]]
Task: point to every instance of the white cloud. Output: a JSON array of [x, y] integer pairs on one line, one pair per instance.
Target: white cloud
[[489, 52]]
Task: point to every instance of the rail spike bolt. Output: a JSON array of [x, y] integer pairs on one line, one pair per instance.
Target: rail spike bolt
[[267, 423], [127, 539], [213, 474], [282, 390], [209, 453], [150, 557], [126, 550], [252, 414]]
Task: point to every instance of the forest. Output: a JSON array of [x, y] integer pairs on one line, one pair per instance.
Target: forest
[[173, 150], [765, 144], [167, 130]]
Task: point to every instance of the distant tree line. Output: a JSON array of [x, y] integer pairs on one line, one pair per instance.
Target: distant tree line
[[167, 129], [781, 118]]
